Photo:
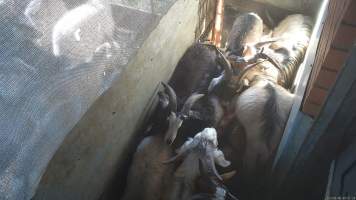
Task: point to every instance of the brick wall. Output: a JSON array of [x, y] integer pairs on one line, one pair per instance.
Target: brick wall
[[339, 33]]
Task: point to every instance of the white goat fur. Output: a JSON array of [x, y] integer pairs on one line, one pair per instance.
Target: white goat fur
[[249, 109], [200, 147]]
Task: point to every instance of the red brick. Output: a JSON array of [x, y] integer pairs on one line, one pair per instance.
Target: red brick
[[326, 79], [345, 37], [335, 59], [317, 95], [311, 109]]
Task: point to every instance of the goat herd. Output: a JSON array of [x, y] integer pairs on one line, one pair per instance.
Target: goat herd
[[238, 96]]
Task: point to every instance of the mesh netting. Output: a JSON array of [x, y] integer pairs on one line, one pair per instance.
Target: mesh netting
[[56, 58]]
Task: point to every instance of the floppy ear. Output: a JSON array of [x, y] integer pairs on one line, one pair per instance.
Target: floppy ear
[[219, 158], [202, 169], [215, 82]]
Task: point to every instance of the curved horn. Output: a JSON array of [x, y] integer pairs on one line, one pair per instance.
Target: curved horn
[[223, 61], [190, 102], [172, 97], [179, 156], [172, 160]]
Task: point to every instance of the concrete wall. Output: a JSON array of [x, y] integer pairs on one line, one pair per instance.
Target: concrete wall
[[96, 147], [301, 6]]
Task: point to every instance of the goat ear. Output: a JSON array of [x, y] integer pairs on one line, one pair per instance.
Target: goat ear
[[215, 82], [219, 158], [202, 170], [228, 175]]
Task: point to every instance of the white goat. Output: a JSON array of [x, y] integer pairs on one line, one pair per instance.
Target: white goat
[[202, 148]]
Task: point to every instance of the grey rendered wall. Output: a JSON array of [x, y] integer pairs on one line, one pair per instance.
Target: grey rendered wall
[[93, 151]]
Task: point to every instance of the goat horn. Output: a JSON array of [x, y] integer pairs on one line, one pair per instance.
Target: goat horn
[[171, 160], [190, 102], [172, 97], [225, 64], [174, 158]]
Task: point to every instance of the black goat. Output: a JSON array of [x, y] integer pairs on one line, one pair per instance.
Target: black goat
[[196, 69]]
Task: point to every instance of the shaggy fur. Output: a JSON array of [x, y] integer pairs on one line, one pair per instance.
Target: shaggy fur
[[264, 107]]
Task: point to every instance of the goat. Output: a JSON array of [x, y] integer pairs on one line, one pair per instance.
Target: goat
[[204, 147], [194, 72], [264, 102], [147, 173], [246, 36], [247, 29], [264, 107]]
